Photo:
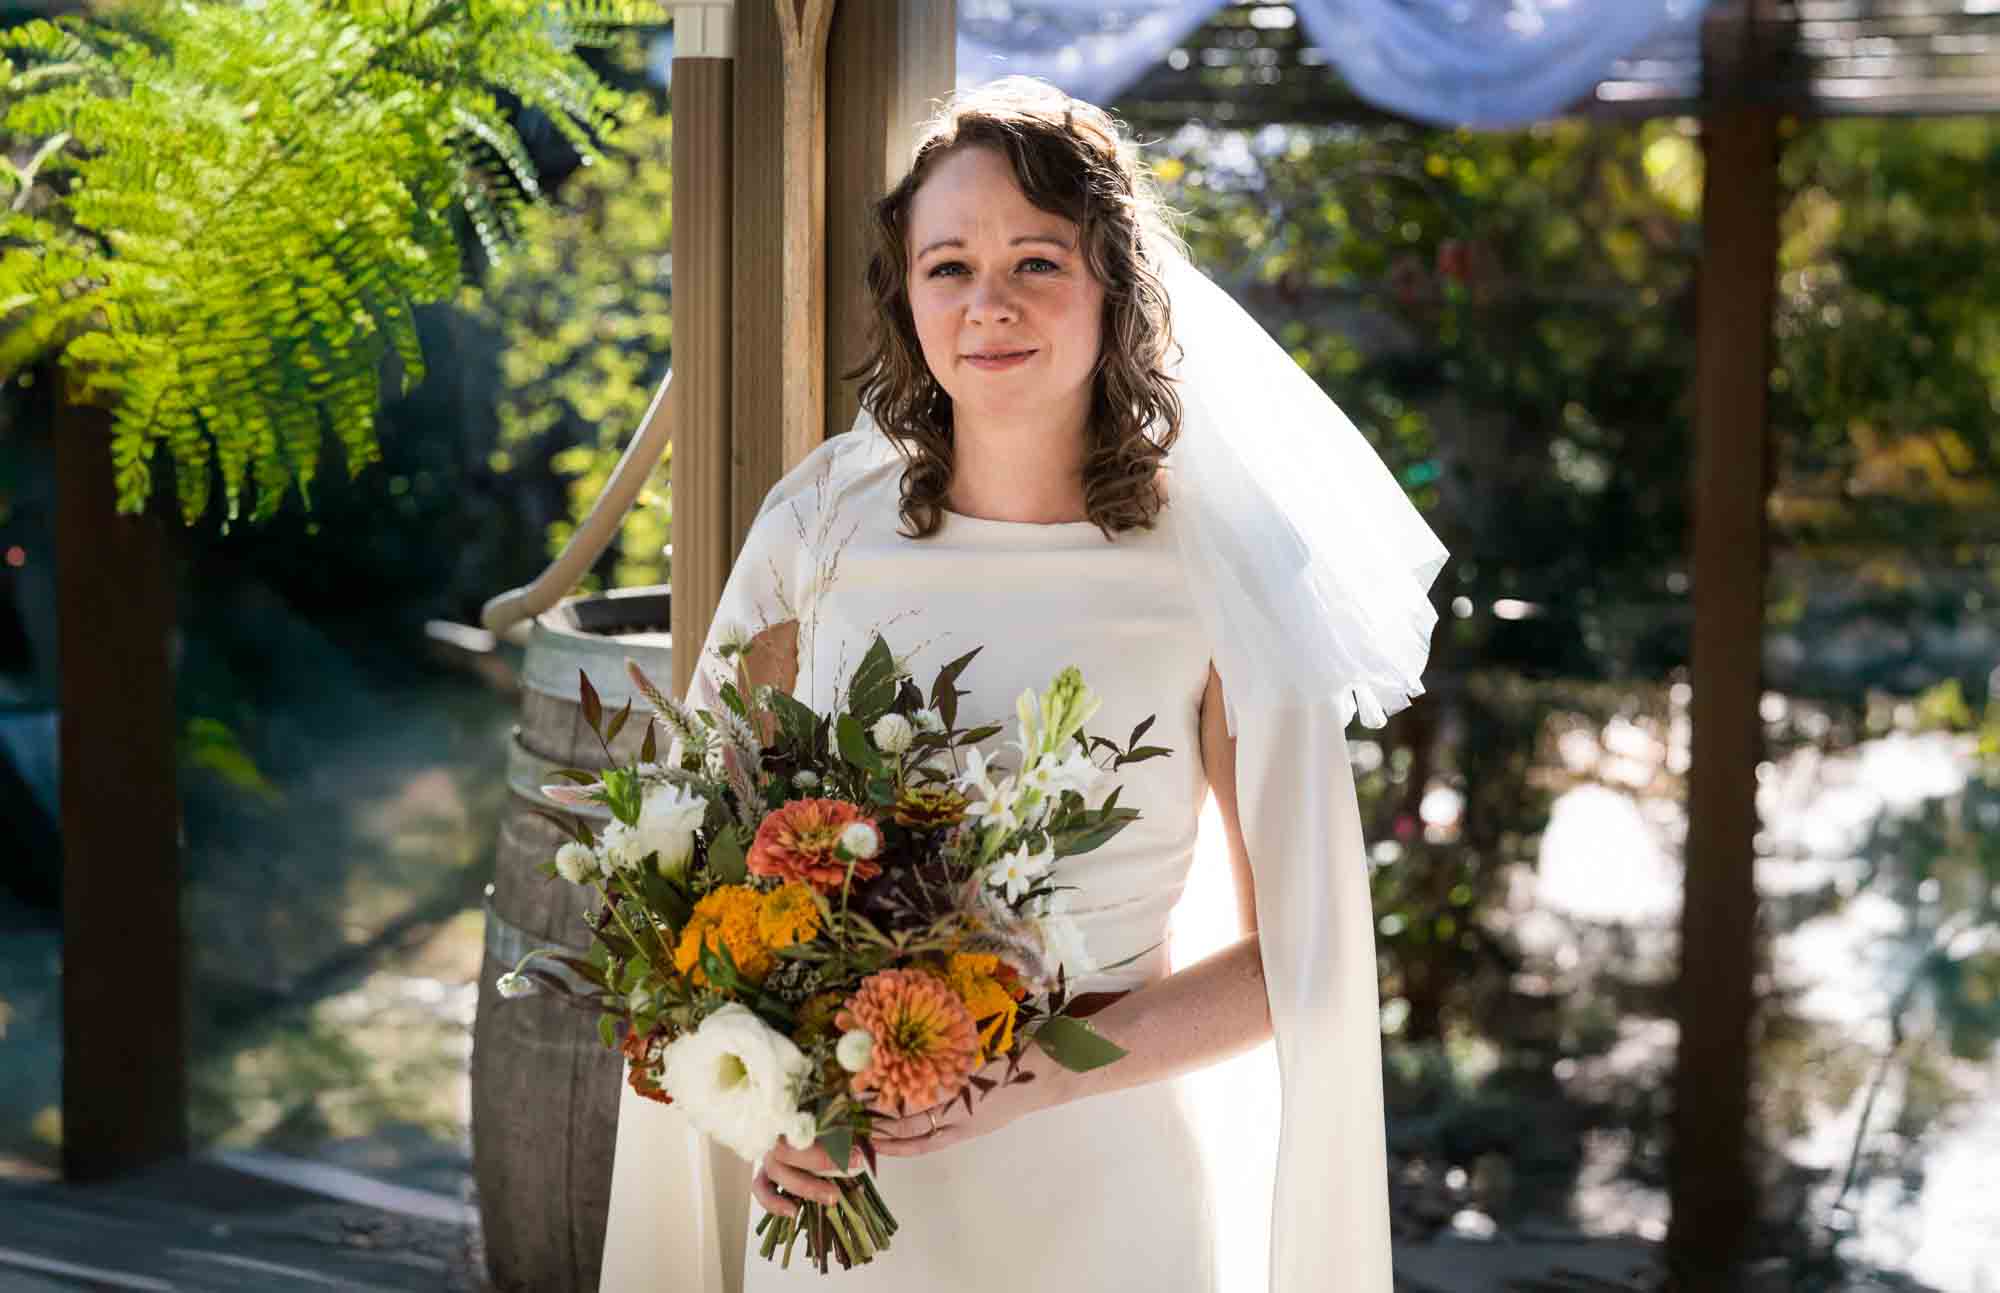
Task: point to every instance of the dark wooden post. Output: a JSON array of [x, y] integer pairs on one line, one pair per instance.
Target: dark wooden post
[[705, 537], [124, 1082], [887, 62], [1713, 1197]]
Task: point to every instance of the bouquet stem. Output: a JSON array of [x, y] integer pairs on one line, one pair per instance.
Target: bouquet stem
[[851, 1231]]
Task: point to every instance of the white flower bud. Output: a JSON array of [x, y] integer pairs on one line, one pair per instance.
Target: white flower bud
[[513, 985], [893, 733], [806, 779], [638, 1000], [929, 720], [861, 840], [575, 862], [856, 1048]]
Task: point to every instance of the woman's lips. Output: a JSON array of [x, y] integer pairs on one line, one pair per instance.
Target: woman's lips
[[998, 360]]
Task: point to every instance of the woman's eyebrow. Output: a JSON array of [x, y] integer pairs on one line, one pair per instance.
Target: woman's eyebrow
[[1051, 239]]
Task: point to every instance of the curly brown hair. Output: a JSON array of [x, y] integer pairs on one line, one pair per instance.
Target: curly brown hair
[[1071, 160]]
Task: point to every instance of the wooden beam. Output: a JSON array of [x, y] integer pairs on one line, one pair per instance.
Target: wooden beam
[[802, 32], [1711, 1184], [756, 334], [887, 62], [124, 1029], [705, 533]]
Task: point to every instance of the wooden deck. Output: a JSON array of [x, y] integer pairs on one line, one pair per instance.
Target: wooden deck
[[229, 1223]]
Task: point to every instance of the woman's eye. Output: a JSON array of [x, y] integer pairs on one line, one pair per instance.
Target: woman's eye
[[938, 270], [1038, 264], [1039, 260]]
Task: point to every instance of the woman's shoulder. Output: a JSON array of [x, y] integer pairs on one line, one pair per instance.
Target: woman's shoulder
[[813, 491]]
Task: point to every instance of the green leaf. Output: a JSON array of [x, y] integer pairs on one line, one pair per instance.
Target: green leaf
[[1140, 730], [854, 745], [1075, 1045], [726, 856], [607, 1031], [795, 720], [667, 899], [873, 688], [838, 1142], [649, 750], [945, 692]]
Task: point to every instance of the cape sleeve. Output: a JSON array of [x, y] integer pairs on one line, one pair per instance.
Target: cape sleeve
[[680, 1204], [1316, 930]]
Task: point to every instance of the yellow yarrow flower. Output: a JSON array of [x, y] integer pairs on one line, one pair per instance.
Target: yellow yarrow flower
[[788, 915], [972, 976], [726, 917]]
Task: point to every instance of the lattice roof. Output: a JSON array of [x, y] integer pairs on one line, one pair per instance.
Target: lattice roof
[[1251, 64]]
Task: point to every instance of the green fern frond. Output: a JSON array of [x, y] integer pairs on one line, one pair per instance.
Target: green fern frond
[[238, 211]]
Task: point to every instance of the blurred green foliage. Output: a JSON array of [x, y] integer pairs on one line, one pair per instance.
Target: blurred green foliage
[[586, 311]]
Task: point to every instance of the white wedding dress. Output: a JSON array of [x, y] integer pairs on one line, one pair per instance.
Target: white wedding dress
[[1111, 1192]]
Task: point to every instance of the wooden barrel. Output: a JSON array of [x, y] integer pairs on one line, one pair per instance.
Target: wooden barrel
[[544, 1089]]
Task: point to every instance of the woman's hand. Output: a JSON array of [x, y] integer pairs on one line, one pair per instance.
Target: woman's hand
[[798, 1172], [913, 1136]]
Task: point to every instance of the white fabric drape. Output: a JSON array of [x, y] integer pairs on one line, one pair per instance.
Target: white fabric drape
[[1484, 63]]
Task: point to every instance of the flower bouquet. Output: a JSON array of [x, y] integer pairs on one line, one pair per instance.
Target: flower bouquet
[[808, 920]]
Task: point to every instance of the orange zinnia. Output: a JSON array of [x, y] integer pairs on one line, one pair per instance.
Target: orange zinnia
[[798, 841], [926, 1044]]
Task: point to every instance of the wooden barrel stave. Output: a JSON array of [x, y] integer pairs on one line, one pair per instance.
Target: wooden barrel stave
[[545, 1091]]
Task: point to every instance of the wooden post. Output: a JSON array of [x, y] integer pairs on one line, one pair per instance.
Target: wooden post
[[705, 531], [124, 1029], [1711, 1186], [887, 61], [757, 280]]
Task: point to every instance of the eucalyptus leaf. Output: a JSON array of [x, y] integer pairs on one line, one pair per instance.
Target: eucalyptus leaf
[[1075, 1045], [726, 856]]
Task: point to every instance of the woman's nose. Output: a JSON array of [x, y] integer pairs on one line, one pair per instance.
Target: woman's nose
[[992, 301]]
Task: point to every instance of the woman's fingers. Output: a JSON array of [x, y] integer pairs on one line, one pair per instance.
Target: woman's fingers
[[801, 1182], [765, 1191], [815, 1159]]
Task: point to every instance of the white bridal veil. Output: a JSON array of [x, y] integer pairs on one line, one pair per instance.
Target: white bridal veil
[[1312, 572]]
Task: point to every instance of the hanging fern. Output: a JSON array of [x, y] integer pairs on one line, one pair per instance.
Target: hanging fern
[[218, 219]]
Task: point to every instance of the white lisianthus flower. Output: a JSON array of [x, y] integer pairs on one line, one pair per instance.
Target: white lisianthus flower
[[856, 1048], [513, 985], [893, 733], [669, 816], [1016, 872], [575, 862], [861, 840], [737, 1078]]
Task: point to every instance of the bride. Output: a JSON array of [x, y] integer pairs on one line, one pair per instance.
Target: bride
[[1075, 449]]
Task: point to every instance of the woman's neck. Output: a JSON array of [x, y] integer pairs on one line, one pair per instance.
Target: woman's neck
[[1030, 470]]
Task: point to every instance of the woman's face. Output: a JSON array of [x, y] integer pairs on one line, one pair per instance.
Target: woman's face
[[1008, 314]]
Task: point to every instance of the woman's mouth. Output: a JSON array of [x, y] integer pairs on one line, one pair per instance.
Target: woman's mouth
[[996, 359]]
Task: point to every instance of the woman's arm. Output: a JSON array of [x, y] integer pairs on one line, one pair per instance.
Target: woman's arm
[[1207, 1012]]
